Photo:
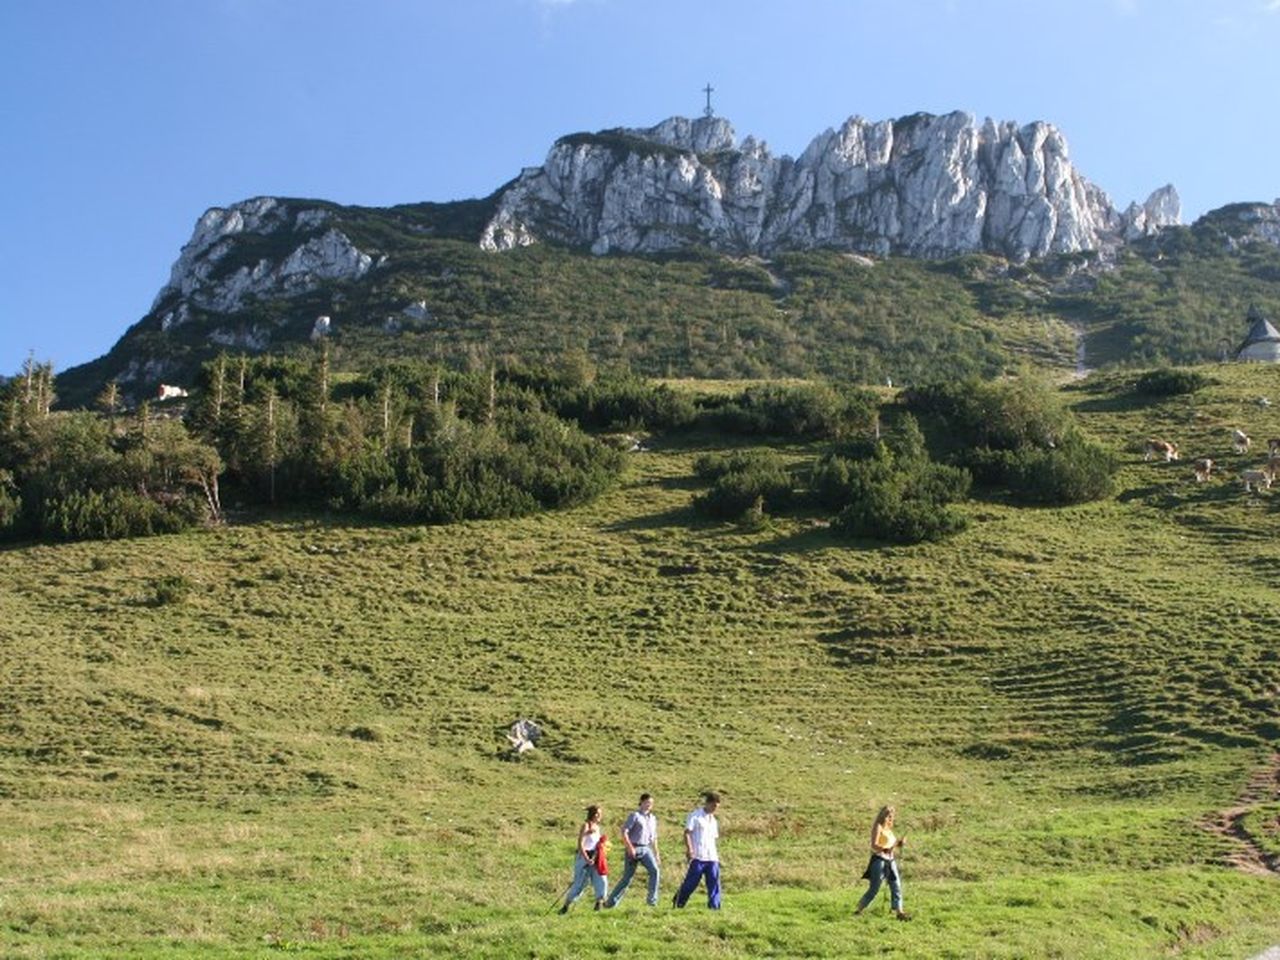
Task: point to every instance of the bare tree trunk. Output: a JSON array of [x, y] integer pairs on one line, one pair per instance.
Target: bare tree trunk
[[271, 440], [386, 416], [493, 391]]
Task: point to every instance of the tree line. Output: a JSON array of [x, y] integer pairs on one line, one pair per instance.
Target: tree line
[[413, 441]]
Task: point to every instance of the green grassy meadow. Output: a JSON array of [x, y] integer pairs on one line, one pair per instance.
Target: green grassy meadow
[[306, 754]]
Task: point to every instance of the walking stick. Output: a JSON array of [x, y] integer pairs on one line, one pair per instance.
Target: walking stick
[[556, 902]]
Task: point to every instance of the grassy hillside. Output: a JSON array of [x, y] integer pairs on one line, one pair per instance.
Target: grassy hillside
[[304, 754], [1180, 297]]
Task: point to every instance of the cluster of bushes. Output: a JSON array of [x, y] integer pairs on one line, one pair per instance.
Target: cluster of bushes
[[404, 442], [614, 400], [1170, 382], [408, 441], [1012, 434], [525, 461], [741, 482], [810, 412], [891, 490], [78, 476], [1016, 434], [876, 489]]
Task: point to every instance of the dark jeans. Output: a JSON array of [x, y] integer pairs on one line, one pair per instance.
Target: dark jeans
[[697, 870]]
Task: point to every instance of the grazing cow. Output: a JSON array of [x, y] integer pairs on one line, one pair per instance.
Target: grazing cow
[[1273, 447], [1255, 478], [168, 392], [1203, 467], [1160, 448], [1240, 441]]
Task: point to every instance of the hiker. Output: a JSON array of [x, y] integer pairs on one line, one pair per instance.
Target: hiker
[[589, 865], [884, 865], [640, 837], [700, 832]]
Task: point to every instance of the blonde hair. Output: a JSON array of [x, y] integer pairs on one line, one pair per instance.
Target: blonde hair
[[885, 813]]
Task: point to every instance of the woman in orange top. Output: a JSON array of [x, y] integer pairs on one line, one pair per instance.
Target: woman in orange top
[[884, 865]]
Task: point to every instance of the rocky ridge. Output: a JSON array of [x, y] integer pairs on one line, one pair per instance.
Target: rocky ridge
[[920, 186], [213, 273]]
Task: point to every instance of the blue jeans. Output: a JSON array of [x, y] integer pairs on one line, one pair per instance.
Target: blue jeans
[[882, 870], [643, 856], [697, 870], [584, 871]]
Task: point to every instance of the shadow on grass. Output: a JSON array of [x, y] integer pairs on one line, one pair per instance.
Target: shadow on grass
[[676, 517]]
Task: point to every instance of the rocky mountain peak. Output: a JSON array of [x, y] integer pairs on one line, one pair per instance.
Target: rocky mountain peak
[[921, 185]]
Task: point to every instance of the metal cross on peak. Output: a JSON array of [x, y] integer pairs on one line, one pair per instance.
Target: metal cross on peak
[[708, 90]]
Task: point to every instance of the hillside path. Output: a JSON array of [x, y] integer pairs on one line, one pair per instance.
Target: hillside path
[[1249, 855]]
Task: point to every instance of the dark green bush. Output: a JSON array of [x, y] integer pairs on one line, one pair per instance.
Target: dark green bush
[[114, 513], [739, 485], [461, 471], [807, 412], [884, 516], [10, 502], [1170, 381], [172, 589], [1002, 414], [713, 466], [1076, 471], [896, 494]]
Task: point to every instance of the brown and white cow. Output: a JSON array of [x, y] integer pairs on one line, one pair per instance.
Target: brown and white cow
[[1203, 467], [1273, 447], [1160, 448], [1240, 441]]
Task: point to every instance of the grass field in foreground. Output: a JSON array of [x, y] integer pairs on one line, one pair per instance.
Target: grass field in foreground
[[305, 755]]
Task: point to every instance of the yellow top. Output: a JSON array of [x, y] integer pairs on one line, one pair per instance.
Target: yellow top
[[885, 842]]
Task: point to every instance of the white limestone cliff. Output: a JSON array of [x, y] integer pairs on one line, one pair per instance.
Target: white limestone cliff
[[922, 186], [202, 278]]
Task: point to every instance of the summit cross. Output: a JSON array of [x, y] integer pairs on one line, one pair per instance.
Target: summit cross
[[708, 90]]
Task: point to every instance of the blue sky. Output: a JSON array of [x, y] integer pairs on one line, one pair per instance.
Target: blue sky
[[121, 121]]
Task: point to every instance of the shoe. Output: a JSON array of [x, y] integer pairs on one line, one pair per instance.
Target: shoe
[[608, 905], [598, 903], [675, 900], [903, 916], [858, 912], [564, 909]]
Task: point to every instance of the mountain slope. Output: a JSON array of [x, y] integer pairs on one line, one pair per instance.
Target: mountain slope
[[420, 280]]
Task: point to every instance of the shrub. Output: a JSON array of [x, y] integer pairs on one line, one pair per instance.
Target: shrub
[[713, 466], [10, 503], [1168, 382], [1077, 471], [735, 493], [172, 589], [115, 513], [884, 516], [463, 471], [742, 482], [1001, 415], [896, 494], [808, 412]]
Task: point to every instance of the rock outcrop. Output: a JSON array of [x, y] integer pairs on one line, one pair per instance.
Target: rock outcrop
[[921, 186], [1247, 222], [259, 247]]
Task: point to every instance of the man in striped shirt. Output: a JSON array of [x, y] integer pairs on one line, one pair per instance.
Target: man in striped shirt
[[640, 837]]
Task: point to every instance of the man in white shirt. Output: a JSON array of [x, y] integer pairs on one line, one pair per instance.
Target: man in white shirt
[[701, 830]]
